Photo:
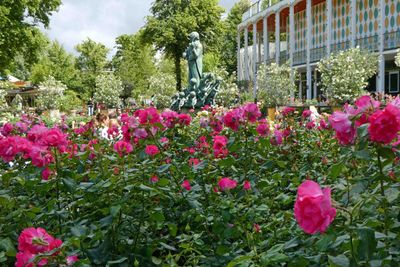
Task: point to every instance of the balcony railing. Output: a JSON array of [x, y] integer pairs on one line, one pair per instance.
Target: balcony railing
[[340, 46], [299, 57], [257, 7], [370, 43], [283, 57], [317, 53], [392, 40]]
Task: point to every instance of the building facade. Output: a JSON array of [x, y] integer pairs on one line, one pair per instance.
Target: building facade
[[313, 30]]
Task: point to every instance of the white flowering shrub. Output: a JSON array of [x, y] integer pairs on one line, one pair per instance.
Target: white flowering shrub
[[50, 92], [228, 95], [397, 59], [162, 88], [275, 84], [108, 90], [3, 102], [344, 75]]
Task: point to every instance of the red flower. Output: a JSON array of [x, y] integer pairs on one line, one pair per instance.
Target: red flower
[[24, 257], [246, 185], [6, 129], [123, 148], [184, 119], [219, 146], [46, 174], [227, 184], [152, 150], [186, 185], [34, 240], [345, 131], [54, 138], [263, 129], [287, 110], [384, 124], [148, 116], [251, 112], [313, 209], [306, 113], [257, 228], [72, 259], [232, 119], [154, 179]]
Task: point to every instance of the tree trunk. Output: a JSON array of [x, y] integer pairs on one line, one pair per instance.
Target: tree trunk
[[178, 73]]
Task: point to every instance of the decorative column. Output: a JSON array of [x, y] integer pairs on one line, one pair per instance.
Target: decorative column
[[254, 59], [239, 70], [291, 41], [309, 28], [246, 54], [266, 40], [381, 71], [328, 26], [353, 23], [277, 36]]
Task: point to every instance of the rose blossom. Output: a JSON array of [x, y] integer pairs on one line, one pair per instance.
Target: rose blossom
[[152, 150], [313, 209], [263, 129], [154, 179], [246, 185], [342, 125], [186, 185], [219, 146], [251, 112], [226, 184], [123, 148], [34, 240], [384, 124]]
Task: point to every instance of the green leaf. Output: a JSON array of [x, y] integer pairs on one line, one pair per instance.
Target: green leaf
[[363, 154], [156, 260], [335, 170], [163, 168], [368, 243], [117, 261], [167, 246], [238, 260], [69, 183], [7, 246], [157, 217], [339, 261]]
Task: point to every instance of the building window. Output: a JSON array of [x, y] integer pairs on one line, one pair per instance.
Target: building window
[[393, 82]]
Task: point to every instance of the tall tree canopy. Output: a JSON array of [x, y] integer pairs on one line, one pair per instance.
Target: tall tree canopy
[[92, 61], [134, 63], [229, 47], [58, 63], [18, 32], [172, 21]]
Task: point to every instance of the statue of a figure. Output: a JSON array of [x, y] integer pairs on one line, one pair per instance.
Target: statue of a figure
[[194, 56]]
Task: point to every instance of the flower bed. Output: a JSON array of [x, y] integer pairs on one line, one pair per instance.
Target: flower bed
[[224, 188]]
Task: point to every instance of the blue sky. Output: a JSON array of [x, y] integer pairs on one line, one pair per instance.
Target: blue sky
[[101, 20]]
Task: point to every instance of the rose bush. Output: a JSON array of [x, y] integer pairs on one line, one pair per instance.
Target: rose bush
[[219, 188]]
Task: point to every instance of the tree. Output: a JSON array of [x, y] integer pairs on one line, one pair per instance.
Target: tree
[[58, 63], [50, 92], [19, 34], [108, 90], [229, 48], [133, 63], [91, 62], [172, 21]]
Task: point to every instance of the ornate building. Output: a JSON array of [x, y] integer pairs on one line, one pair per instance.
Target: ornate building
[[314, 29]]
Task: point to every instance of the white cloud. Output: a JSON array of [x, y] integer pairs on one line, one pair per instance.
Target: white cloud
[[100, 20]]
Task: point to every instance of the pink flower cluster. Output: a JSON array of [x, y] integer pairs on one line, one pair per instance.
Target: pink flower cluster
[[238, 116], [37, 145], [33, 242], [384, 124]]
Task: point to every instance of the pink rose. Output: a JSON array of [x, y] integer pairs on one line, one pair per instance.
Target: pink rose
[[72, 259], [154, 179], [366, 102], [232, 119], [123, 148], [251, 112], [246, 185], [384, 125], [219, 146], [34, 240], [46, 173], [345, 131], [313, 209], [227, 184], [23, 258], [287, 110], [152, 150], [306, 113], [186, 185], [184, 119], [263, 129]]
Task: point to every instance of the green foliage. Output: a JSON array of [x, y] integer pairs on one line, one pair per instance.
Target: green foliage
[[108, 90], [172, 21], [69, 101], [211, 61], [229, 47], [58, 63], [50, 93], [19, 35], [91, 62], [275, 82], [3, 94], [344, 75], [162, 88], [134, 63]]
